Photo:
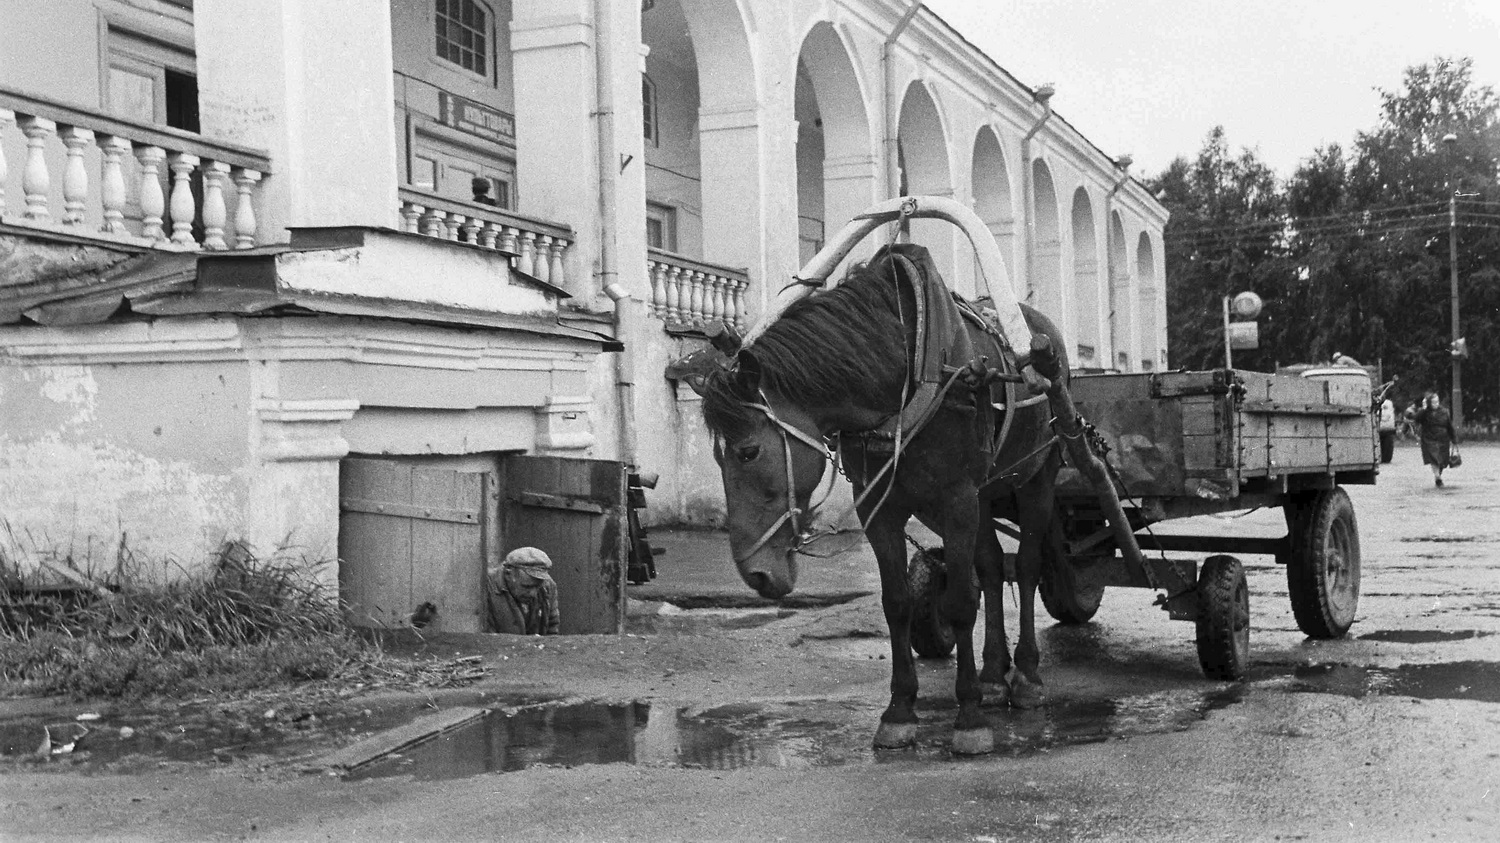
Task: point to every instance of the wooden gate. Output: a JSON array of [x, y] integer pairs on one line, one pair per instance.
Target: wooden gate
[[574, 510], [408, 535]]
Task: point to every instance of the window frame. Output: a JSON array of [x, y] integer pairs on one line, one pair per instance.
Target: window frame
[[651, 125], [666, 216], [146, 52], [489, 55]]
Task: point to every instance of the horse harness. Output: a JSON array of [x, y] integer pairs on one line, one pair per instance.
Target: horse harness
[[940, 338]]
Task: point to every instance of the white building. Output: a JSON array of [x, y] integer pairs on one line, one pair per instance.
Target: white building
[[241, 256]]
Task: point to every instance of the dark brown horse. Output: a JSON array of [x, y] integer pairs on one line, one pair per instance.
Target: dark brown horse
[[841, 362]]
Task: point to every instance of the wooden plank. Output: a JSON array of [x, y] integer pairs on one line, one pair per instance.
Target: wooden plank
[[545, 501], [1200, 452], [1301, 409], [399, 738], [375, 551]]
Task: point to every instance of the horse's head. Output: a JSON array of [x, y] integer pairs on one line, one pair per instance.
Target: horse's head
[[772, 460]]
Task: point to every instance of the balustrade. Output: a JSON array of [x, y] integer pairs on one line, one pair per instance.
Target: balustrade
[[535, 247], [690, 294], [156, 186]]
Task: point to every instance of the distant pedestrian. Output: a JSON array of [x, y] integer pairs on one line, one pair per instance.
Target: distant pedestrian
[[481, 188], [1439, 440], [1387, 430]]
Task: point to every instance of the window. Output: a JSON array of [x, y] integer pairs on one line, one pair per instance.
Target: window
[[661, 227], [448, 168], [648, 109], [151, 81], [463, 34]]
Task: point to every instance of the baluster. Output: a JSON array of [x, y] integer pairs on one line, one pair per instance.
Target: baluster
[[184, 208], [739, 304], [695, 299], [733, 306], [75, 175], [411, 214], [153, 203], [7, 118], [244, 209], [555, 269], [112, 183], [215, 173], [432, 223], [509, 240], [528, 253], [674, 294], [471, 230], [543, 260], [717, 313], [657, 273], [453, 223], [36, 182], [489, 234]]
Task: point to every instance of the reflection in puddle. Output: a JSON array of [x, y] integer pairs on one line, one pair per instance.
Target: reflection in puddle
[[817, 733], [1475, 681]]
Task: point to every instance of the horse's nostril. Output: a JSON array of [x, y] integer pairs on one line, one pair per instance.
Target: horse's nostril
[[757, 581]]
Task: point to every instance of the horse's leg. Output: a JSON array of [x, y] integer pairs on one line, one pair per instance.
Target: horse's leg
[[959, 606], [996, 647], [886, 535], [1041, 544]]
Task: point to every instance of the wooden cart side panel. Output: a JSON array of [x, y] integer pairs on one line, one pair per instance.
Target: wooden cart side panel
[[1144, 435]]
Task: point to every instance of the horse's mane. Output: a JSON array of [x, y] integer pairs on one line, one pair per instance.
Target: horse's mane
[[841, 346]]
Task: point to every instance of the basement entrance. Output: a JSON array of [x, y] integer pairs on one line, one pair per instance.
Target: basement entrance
[[422, 530]]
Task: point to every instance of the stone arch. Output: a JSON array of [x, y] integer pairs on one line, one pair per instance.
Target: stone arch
[[1044, 289], [706, 172], [990, 177], [836, 165], [1153, 343], [922, 153], [1085, 299], [1119, 295]]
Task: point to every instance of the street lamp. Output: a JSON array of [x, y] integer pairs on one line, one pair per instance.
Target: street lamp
[[1245, 305]]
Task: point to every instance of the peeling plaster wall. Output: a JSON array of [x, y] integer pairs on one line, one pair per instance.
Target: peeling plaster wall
[[106, 463]]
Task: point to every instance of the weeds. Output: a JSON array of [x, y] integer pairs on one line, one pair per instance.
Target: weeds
[[249, 624]]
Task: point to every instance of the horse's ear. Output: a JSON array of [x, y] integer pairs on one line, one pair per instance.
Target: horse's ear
[[723, 337], [748, 369]]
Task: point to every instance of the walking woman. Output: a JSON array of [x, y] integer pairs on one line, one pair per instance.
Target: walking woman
[[1435, 427]]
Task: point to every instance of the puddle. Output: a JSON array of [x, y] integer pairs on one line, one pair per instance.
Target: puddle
[[1468, 680], [1423, 636], [1440, 538], [808, 734]]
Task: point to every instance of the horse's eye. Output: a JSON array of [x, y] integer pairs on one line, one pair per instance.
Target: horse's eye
[[747, 453]]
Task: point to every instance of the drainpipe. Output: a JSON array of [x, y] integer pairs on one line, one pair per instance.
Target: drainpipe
[[609, 276], [1042, 95], [1123, 163], [892, 115]]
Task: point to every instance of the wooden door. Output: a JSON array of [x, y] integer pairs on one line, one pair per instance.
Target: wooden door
[[409, 535], [574, 510]]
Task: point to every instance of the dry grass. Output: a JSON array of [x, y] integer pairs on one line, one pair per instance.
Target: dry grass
[[249, 624]]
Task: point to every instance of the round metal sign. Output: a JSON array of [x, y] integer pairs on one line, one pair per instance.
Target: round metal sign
[[1247, 305]]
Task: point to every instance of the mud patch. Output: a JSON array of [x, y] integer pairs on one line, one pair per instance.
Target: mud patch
[[1423, 636], [1442, 537], [1467, 680]]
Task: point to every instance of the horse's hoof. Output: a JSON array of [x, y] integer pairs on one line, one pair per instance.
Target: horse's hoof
[[995, 693], [1026, 694], [973, 741], [895, 735]]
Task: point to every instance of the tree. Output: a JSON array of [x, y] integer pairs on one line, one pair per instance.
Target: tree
[[1351, 253]]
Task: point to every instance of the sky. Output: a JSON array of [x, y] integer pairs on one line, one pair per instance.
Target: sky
[[1284, 77]]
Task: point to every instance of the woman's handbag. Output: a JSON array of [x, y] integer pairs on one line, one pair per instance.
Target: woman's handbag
[[1455, 459]]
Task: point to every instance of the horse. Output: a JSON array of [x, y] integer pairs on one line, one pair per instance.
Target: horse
[[840, 363]]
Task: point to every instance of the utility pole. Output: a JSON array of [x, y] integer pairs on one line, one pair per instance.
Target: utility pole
[[1455, 351]]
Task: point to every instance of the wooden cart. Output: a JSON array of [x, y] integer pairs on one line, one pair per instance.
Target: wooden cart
[[1182, 444]]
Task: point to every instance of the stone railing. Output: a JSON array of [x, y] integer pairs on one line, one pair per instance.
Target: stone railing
[[156, 186], [689, 294], [536, 247]]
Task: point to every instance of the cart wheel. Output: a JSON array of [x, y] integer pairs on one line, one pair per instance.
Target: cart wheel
[[1223, 618], [1322, 572], [1063, 598], [926, 577]]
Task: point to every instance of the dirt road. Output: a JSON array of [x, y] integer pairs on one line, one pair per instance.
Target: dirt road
[[756, 726]]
